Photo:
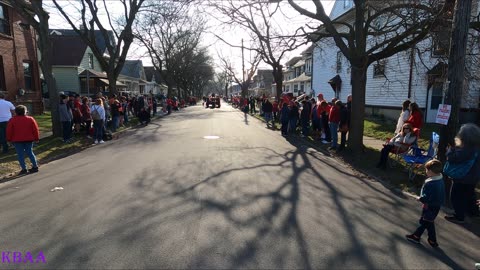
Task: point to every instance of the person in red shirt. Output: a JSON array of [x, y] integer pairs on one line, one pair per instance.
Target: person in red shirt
[[275, 110], [22, 131], [415, 119], [333, 122]]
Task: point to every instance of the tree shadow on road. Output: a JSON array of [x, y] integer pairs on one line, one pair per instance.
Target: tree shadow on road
[[280, 209]]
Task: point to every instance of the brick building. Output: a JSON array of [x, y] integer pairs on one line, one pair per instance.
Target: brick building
[[19, 70]]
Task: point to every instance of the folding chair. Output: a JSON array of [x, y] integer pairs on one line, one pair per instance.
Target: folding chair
[[398, 152], [417, 157]]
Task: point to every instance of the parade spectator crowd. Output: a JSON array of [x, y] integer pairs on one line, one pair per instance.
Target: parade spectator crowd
[[101, 116], [305, 115]]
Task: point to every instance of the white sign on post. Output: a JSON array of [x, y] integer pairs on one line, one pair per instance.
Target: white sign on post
[[443, 114]]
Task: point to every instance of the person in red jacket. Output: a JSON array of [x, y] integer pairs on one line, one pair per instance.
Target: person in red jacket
[[22, 131], [275, 110], [334, 121], [415, 119]]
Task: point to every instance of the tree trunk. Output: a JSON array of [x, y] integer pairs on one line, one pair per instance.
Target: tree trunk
[[456, 70], [278, 77], [112, 82], [244, 90], [45, 48], [359, 81]]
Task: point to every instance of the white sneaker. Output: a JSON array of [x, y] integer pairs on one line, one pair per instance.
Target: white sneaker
[[95, 142], [101, 142]]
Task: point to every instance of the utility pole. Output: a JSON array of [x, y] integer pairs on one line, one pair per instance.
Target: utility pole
[[244, 85], [456, 70], [243, 64]]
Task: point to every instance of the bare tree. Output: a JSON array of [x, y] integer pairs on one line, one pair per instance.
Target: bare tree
[[29, 10], [169, 26], [379, 30], [90, 21], [193, 70], [269, 37], [246, 78]]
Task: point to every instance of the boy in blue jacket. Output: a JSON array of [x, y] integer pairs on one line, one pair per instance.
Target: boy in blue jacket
[[432, 196]]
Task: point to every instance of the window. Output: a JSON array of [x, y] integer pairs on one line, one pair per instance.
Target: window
[[437, 95], [295, 88], [339, 62], [308, 66], [4, 21], [379, 69], [441, 43], [28, 75], [302, 87], [90, 61], [2, 76]]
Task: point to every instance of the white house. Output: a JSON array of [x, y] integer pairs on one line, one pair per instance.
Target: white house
[[418, 74], [154, 82], [298, 74], [262, 83], [133, 76]]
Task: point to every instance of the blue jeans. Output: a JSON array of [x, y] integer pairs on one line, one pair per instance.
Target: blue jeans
[[115, 122], [334, 133], [125, 117], [284, 127], [292, 125], [22, 148], [3, 136], [67, 130], [268, 117], [98, 130], [305, 127]]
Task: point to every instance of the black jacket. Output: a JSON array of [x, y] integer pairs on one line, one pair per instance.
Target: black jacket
[[267, 107]]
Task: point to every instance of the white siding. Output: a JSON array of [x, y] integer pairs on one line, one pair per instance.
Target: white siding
[[392, 89], [66, 78], [84, 62]]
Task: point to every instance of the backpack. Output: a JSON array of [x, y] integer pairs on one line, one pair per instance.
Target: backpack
[[96, 114], [459, 170]]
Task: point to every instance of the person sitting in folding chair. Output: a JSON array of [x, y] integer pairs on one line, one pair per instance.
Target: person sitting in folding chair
[[400, 142]]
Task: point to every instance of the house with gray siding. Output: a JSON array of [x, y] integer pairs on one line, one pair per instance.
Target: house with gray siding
[[418, 74], [71, 57]]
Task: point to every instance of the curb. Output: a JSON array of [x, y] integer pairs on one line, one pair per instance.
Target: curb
[[10, 176]]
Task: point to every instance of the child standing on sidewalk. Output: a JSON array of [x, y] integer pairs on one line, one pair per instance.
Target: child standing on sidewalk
[[432, 196]]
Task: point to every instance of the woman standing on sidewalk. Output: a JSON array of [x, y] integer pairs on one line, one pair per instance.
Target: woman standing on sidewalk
[[98, 116], [87, 117], [462, 194], [22, 131], [66, 118]]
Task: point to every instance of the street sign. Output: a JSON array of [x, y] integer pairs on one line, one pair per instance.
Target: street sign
[[443, 114]]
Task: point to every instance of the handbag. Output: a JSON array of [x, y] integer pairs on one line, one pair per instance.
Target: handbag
[[459, 170]]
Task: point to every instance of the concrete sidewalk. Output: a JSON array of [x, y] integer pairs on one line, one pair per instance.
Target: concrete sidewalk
[[373, 143]]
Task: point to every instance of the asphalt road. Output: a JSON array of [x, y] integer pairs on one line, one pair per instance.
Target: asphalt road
[[163, 196]]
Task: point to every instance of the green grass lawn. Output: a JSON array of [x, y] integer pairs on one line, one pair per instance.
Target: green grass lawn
[[44, 121], [50, 148], [382, 129]]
